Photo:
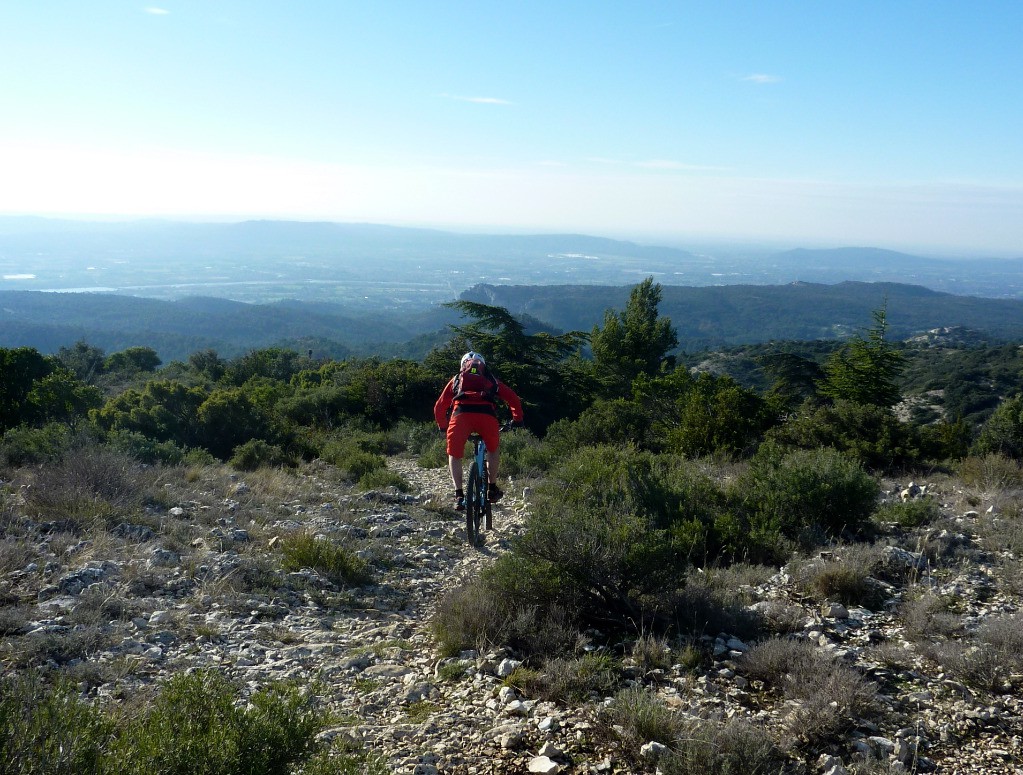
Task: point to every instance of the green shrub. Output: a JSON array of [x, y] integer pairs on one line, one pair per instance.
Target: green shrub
[[990, 473], [873, 435], [492, 613], [144, 449], [711, 602], [913, 513], [257, 453], [196, 725], [809, 496], [197, 456], [47, 729], [347, 455], [433, 454], [611, 536], [520, 454], [989, 659], [642, 717], [325, 556], [382, 478], [25, 445], [845, 577], [571, 679], [344, 758], [617, 421], [1002, 434], [411, 436]]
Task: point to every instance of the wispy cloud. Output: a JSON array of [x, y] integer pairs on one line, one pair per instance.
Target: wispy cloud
[[477, 100], [676, 166], [762, 78], [157, 11]]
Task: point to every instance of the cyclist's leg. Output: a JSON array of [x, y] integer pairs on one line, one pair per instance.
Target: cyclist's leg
[[455, 468], [490, 431], [457, 435]]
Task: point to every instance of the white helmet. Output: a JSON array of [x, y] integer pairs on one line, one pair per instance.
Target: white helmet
[[469, 356]]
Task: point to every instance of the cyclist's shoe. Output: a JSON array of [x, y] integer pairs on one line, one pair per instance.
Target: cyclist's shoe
[[459, 501], [494, 494]]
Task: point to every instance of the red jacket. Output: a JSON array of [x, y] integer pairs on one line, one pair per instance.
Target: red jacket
[[447, 403]]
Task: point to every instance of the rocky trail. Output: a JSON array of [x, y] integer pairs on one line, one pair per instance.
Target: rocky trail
[[199, 586]]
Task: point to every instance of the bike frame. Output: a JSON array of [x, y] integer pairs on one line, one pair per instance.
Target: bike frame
[[477, 503]]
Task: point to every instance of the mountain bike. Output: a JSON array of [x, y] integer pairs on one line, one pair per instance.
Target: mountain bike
[[478, 509]]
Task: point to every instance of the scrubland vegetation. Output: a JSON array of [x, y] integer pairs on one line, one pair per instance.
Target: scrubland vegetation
[[660, 497]]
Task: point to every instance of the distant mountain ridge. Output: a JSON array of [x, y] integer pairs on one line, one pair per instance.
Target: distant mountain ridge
[[261, 261], [706, 317], [745, 314]]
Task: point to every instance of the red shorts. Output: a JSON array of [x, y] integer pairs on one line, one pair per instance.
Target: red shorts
[[461, 425]]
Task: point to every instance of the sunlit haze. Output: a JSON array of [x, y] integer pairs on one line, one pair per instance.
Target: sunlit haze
[[818, 124]]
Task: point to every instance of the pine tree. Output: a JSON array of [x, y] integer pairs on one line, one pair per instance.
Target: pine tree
[[867, 369], [633, 342]]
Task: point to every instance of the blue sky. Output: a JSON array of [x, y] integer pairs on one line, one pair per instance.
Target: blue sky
[[895, 124]]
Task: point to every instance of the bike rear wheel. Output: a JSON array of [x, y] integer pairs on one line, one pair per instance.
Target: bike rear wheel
[[473, 507]]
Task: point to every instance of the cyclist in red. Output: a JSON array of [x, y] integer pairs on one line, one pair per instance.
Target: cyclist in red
[[468, 404]]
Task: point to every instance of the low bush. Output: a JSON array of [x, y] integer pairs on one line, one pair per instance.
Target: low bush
[[27, 445], [988, 659], [600, 539], [809, 496], [650, 652], [827, 695], [145, 449], [353, 460], [1002, 434], [930, 615], [620, 421], [844, 575], [642, 717], [381, 479], [332, 560], [486, 615], [196, 725], [707, 605], [735, 746], [344, 758], [42, 648], [410, 436], [573, 679], [871, 435], [695, 746], [89, 483], [256, 453], [433, 454], [909, 514], [990, 473], [47, 729]]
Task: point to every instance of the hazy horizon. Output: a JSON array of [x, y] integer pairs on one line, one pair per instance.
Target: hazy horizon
[[801, 125]]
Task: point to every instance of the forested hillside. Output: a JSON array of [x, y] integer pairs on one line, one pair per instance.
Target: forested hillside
[[744, 314], [704, 318], [708, 575]]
